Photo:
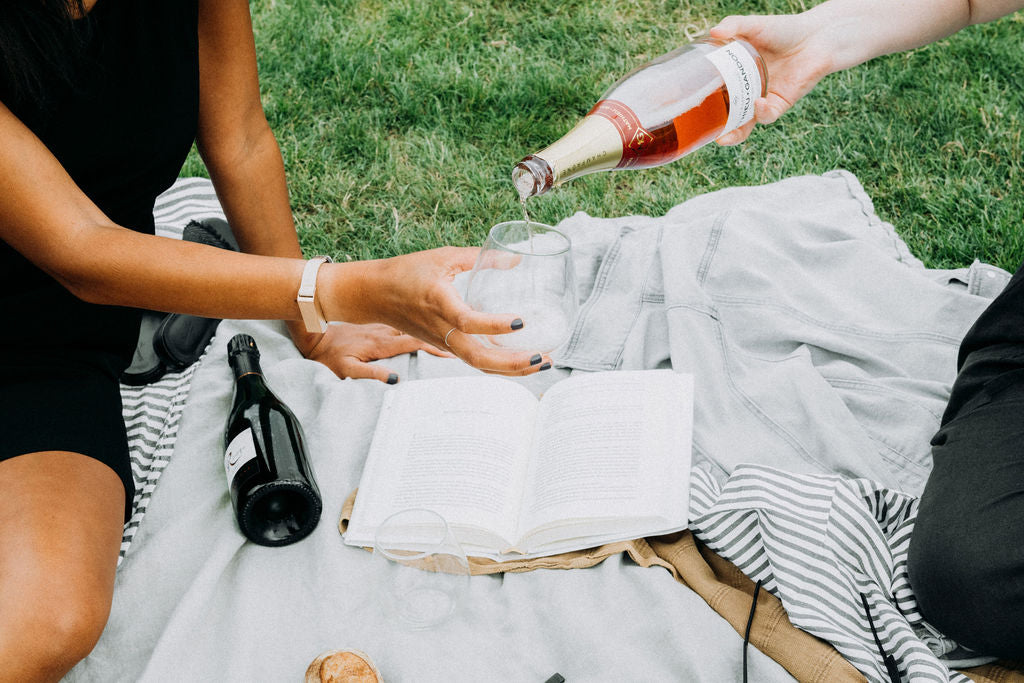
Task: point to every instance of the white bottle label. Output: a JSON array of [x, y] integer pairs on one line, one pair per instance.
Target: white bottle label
[[742, 80], [241, 450]]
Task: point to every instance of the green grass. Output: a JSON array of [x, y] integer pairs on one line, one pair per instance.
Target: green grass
[[400, 121]]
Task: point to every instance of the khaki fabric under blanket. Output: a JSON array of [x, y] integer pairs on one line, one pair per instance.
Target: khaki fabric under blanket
[[728, 591]]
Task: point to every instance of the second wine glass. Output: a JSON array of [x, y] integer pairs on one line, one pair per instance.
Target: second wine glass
[[423, 568]]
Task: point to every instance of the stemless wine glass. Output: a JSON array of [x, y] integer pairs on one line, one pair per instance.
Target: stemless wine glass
[[425, 571], [526, 269]]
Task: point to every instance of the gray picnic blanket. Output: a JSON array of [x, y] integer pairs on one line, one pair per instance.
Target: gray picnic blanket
[[822, 350]]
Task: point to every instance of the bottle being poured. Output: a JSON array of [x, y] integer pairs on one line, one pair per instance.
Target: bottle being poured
[[656, 114]]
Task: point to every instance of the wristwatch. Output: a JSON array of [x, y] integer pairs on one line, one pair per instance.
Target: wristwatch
[[309, 307]]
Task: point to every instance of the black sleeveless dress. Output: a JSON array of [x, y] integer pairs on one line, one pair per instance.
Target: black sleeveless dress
[[122, 133]]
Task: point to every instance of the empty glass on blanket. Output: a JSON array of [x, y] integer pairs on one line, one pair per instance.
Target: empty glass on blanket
[[425, 571], [525, 268]]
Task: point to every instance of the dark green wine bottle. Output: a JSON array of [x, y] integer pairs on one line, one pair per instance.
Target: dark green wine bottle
[[273, 490]]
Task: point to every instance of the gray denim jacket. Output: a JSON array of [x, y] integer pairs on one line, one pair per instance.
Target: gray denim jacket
[[819, 344]]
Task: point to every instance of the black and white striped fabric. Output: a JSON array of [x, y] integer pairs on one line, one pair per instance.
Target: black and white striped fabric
[[820, 543], [152, 412]]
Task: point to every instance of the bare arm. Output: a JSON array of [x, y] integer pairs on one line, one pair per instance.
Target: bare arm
[[863, 29], [801, 49], [247, 170], [236, 143], [49, 220]]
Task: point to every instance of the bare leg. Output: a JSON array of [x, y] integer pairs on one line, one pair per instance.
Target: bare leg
[[61, 518]]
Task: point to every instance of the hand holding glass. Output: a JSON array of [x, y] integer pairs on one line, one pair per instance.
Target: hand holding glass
[[526, 271]]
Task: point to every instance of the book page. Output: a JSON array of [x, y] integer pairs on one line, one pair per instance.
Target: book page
[[612, 445], [457, 446]]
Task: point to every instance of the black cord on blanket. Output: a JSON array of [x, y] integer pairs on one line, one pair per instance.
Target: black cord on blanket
[[891, 667], [750, 622]]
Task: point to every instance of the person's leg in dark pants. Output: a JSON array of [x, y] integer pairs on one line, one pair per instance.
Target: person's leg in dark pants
[[966, 559]]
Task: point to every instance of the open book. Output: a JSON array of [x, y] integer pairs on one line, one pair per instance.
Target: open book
[[598, 458]]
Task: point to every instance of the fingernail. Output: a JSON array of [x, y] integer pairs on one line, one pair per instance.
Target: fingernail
[[535, 359], [517, 324], [392, 378], [546, 366]]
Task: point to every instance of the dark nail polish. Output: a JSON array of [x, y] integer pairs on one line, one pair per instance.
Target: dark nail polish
[[392, 378], [517, 324], [535, 359], [546, 366]]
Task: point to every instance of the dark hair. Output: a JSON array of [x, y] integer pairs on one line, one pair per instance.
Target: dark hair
[[40, 48]]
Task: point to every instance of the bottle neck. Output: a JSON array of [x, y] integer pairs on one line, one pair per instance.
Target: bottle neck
[[244, 364], [594, 144], [247, 371], [532, 176]]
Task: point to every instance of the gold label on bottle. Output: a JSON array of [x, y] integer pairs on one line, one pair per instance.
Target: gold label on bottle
[[633, 135], [592, 145]]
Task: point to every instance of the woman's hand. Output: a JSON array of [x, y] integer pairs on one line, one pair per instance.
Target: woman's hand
[[796, 54], [801, 49], [349, 349], [415, 293]]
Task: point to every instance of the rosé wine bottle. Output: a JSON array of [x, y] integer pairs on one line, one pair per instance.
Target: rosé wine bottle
[[657, 113]]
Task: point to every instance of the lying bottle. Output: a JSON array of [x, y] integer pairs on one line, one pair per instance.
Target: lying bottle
[[273, 492], [657, 113]]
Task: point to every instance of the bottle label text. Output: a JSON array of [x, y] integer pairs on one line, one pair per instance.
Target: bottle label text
[[241, 450], [742, 80]]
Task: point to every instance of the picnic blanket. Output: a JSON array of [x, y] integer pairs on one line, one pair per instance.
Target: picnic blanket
[[823, 354]]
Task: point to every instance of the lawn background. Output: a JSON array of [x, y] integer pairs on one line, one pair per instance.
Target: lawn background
[[400, 121]]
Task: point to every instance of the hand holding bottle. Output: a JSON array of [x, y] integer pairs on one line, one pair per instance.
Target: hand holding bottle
[[795, 54], [801, 49]]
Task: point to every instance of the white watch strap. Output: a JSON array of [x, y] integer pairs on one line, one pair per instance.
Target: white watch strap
[[309, 307]]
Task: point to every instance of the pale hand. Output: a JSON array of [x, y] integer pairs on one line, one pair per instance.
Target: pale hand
[[796, 54]]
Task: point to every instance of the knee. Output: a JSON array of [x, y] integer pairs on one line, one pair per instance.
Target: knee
[[75, 628], [52, 632], [972, 593]]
